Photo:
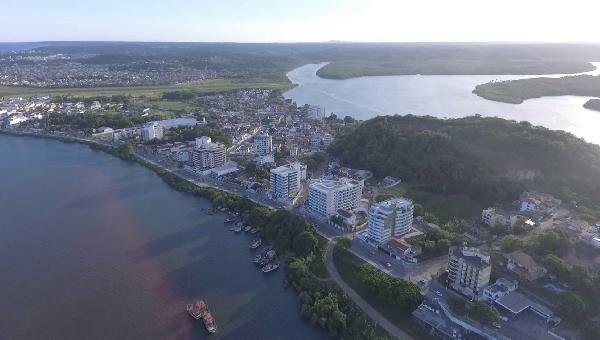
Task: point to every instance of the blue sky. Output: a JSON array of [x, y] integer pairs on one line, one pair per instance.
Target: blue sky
[[302, 20]]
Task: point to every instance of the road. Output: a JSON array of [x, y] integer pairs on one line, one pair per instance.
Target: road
[[379, 319]]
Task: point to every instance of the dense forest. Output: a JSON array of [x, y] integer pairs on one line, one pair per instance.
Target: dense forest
[[517, 91], [489, 159]]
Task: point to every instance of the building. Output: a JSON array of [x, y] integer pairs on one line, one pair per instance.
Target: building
[[499, 289], [265, 159], [286, 180], [468, 271], [152, 131], [537, 202], [207, 155], [388, 219], [343, 219], [524, 266], [494, 217], [327, 196], [263, 145]]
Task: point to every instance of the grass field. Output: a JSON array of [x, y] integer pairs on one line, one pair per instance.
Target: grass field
[[208, 86]]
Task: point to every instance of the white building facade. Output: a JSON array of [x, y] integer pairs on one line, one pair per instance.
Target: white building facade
[[388, 219], [207, 155], [263, 145], [152, 131], [326, 196], [286, 180]]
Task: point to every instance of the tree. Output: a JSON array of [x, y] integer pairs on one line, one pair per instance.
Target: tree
[[511, 243], [304, 243], [484, 313], [458, 306], [570, 305]]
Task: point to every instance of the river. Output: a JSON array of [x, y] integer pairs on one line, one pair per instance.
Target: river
[[94, 247], [439, 96]]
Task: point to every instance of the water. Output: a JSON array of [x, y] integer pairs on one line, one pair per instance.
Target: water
[[8, 47], [439, 96], [93, 247]]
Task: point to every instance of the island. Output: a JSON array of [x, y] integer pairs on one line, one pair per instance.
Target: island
[[592, 104], [517, 91]]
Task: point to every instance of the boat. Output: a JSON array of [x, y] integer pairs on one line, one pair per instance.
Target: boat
[[270, 267], [271, 254], [256, 244], [253, 230], [229, 220], [198, 309], [247, 228], [237, 229], [209, 323], [257, 258]]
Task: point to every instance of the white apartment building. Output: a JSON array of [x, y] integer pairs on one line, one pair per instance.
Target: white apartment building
[[388, 219], [152, 131], [263, 144], [207, 155], [468, 271], [286, 180], [326, 196]]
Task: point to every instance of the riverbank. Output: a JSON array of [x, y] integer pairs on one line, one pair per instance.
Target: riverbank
[[290, 234]]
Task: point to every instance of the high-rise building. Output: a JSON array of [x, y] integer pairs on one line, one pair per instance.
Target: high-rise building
[[286, 180], [326, 196], [263, 145], [388, 219], [468, 271], [207, 155], [152, 131]]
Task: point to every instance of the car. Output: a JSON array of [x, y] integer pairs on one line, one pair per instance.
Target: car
[[387, 264], [438, 293]]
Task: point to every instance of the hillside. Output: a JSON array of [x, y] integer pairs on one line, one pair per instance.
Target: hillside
[[517, 91], [484, 158]]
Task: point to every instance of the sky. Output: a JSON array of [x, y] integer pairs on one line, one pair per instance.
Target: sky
[[300, 20]]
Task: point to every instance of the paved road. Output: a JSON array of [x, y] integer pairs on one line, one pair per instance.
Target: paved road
[[358, 300]]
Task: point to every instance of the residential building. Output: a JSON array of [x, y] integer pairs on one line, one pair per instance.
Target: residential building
[[343, 219], [265, 159], [263, 145], [537, 202], [326, 196], [286, 180], [152, 131], [499, 289], [494, 217], [388, 219], [207, 155], [468, 271], [524, 266]]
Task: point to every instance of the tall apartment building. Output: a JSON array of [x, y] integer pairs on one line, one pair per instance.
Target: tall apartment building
[[152, 131], [468, 271], [207, 155], [391, 218], [326, 196], [263, 144], [286, 180]]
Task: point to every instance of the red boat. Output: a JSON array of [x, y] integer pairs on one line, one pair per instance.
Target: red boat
[[197, 309], [209, 323]]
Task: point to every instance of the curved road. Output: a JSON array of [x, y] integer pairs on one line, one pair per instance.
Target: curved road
[[358, 300]]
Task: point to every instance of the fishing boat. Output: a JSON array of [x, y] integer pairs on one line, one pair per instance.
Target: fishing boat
[[271, 254], [209, 323], [257, 258], [270, 267], [256, 244], [253, 231], [198, 309], [237, 229], [247, 228]]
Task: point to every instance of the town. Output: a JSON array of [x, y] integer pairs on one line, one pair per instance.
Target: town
[[480, 277]]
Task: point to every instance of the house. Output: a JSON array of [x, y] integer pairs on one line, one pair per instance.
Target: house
[[403, 249], [499, 289], [524, 266], [493, 217], [344, 219]]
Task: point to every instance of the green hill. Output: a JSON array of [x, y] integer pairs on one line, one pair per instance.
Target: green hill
[[489, 159]]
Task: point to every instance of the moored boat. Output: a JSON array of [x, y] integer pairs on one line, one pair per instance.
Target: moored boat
[[209, 323], [270, 267], [253, 230], [198, 309], [247, 228], [256, 244]]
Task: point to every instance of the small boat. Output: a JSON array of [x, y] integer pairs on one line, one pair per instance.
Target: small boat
[[247, 228], [229, 220], [198, 309], [256, 244], [209, 323], [270, 267], [253, 231], [271, 254], [257, 258], [237, 229], [232, 229]]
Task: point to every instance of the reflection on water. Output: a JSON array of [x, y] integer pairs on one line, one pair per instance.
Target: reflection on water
[[439, 96]]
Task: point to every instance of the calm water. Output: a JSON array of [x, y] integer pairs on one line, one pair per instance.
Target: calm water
[[92, 247], [439, 96]]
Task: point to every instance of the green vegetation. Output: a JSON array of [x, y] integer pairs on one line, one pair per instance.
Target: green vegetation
[[592, 104], [89, 121], [201, 87], [396, 299], [438, 241], [517, 91], [474, 156], [188, 133], [363, 68]]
